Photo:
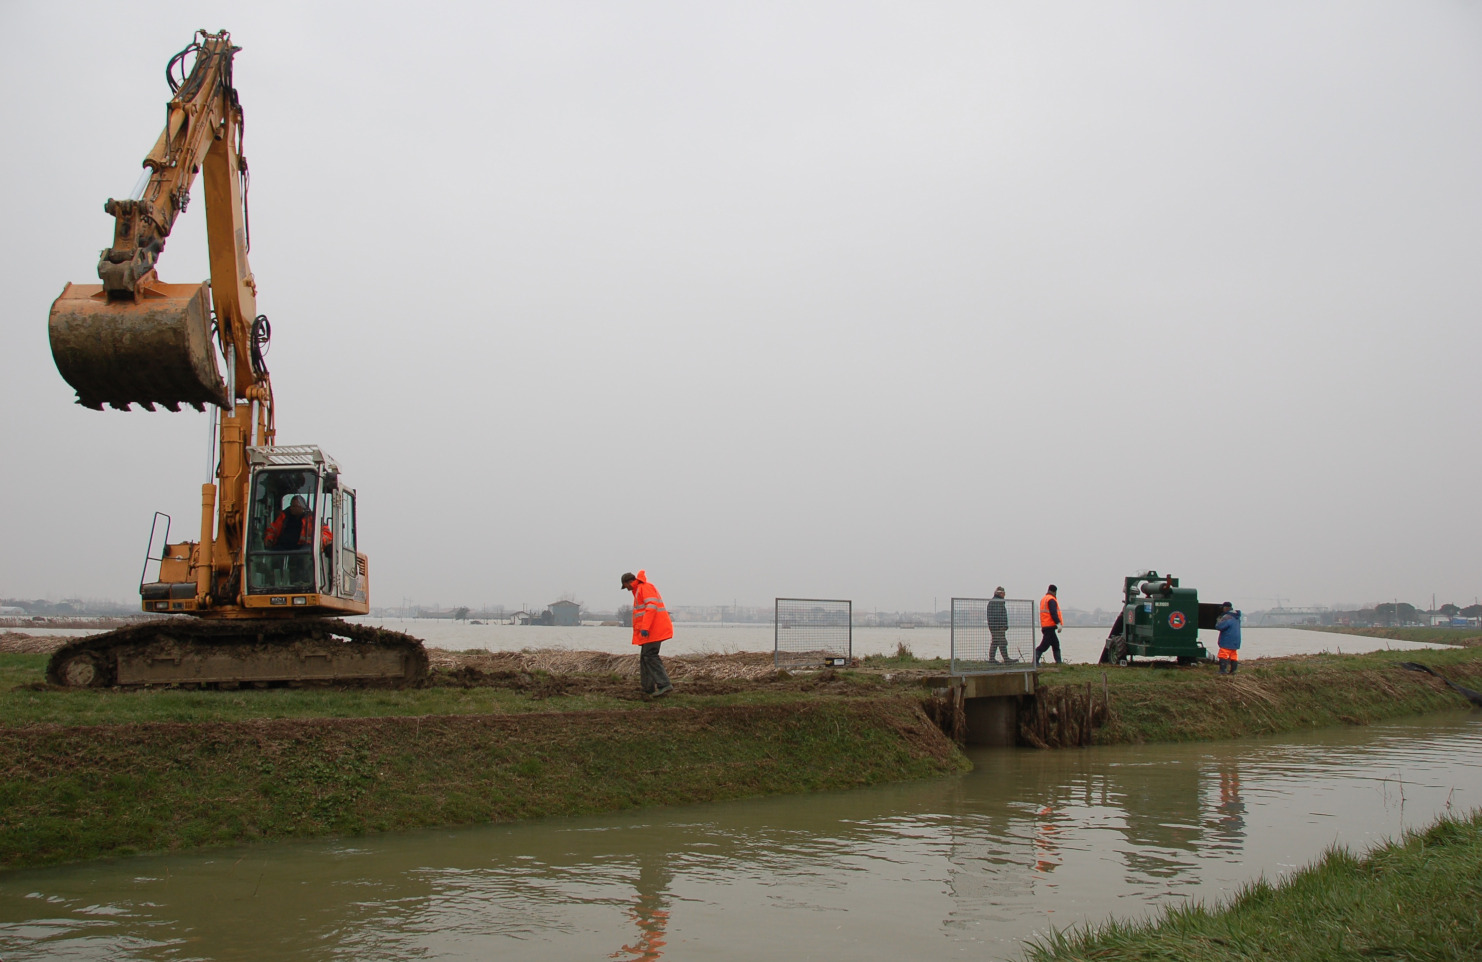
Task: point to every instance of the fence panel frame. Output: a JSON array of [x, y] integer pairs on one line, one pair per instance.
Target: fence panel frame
[[829, 653], [972, 638]]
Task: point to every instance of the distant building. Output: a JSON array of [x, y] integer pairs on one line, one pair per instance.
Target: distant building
[[565, 613]]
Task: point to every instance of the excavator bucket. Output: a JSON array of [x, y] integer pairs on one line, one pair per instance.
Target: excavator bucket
[[153, 350]]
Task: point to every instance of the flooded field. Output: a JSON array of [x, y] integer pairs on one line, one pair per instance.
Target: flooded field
[[1077, 644], [965, 867]]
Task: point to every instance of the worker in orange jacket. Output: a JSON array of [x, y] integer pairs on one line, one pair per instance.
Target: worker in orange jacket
[[1050, 620], [651, 628]]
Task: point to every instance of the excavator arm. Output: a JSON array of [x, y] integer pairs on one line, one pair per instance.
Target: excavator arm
[[133, 339]]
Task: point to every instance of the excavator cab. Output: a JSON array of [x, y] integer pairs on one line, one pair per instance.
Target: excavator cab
[[283, 535], [300, 547]]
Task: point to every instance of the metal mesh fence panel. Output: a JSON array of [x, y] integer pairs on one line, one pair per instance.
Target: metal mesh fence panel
[[812, 631], [985, 639]]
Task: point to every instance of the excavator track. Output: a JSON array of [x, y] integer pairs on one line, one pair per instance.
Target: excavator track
[[233, 653]]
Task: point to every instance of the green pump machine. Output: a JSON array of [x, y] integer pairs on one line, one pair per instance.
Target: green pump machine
[[1158, 620]]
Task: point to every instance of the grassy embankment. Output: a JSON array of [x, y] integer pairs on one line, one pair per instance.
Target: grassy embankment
[[88, 774], [96, 773], [1437, 636], [1270, 695], [1415, 898]]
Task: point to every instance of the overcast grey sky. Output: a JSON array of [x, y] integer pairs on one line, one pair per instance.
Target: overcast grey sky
[[881, 301]]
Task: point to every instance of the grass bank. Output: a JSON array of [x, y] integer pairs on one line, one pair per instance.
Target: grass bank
[[1416, 898], [1468, 637], [1268, 696], [80, 792]]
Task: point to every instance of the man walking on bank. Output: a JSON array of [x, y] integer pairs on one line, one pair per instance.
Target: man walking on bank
[[1228, 626], [998, 627], [651, 628], [1049, 625]]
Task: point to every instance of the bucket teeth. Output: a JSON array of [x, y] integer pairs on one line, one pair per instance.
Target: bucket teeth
[[153, 350]]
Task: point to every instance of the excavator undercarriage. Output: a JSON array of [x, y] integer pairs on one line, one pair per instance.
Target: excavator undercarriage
[[229, 653]]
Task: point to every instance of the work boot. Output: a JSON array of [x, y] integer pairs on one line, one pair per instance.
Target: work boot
[[662, 691], [1234, 667], [1223, 663]]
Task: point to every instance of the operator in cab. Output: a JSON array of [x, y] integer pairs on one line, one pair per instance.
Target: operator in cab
[[293, 528]]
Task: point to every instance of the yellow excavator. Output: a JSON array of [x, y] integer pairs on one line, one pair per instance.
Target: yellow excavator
[[277, 558]]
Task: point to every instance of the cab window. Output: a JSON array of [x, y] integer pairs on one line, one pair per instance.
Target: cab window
[[283, 530]]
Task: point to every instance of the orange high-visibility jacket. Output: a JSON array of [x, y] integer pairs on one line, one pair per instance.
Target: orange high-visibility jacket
[[1048, 617], [649, 613], [275, 530]]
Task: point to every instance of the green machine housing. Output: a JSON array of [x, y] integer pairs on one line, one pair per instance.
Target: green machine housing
[[1158, 620]]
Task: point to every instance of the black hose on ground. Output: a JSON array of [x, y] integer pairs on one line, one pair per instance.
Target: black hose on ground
[[1467, 693]]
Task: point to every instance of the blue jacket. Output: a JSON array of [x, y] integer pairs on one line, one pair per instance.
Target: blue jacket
[[1228, 626]]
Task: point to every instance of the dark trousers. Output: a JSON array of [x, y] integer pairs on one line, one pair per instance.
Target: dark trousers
[[1000, 643], [1049, 641], [651, 674]]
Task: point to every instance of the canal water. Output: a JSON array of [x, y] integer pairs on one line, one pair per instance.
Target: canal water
[[965, 867]]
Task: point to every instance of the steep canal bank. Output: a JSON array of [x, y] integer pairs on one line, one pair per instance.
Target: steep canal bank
[[100, 773], [79, 792]]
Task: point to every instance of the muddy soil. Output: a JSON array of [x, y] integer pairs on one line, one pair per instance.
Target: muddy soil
[[20, 643], [79, 624], [546, 673]]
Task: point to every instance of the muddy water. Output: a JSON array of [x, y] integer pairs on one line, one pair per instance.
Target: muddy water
[[966, 867]]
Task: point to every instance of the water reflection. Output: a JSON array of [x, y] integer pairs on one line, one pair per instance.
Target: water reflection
[[956, 867], [1229, 821], [649, 911]]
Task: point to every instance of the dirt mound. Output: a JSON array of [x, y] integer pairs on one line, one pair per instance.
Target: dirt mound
[[19, 643], [545, 673], [745, 665]]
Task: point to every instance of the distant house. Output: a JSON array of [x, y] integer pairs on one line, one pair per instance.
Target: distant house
[[565, 613]]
